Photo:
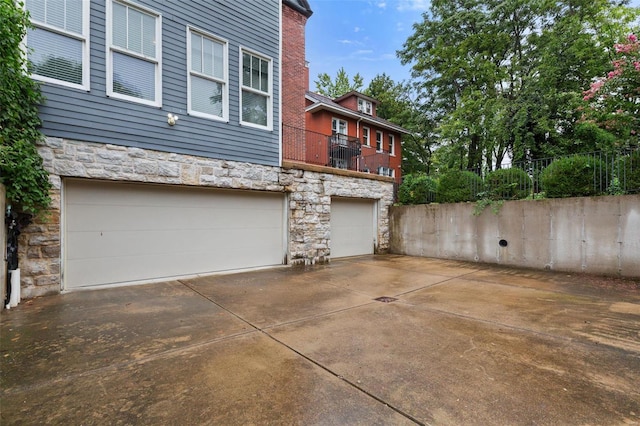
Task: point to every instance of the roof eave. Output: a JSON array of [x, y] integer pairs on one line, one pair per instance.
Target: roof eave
[[300, 6], [319, 106]]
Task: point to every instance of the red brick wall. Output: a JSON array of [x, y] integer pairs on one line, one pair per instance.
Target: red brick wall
[[351, 102], [294, 70]]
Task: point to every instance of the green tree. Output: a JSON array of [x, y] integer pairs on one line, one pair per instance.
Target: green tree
[[614, 100], [505, 78], [21, 170], [397, 104], [342, 84]]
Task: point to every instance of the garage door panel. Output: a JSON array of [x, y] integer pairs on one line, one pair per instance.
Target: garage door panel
[[352, 227], [120, 269], [213, 216], [97, 220], [121, 232], [95, 245]]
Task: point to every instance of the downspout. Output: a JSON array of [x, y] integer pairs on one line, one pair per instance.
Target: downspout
[[358, 136]]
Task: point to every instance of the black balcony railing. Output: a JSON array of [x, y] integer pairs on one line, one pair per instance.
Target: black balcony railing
[[344, 151], [336, 150]]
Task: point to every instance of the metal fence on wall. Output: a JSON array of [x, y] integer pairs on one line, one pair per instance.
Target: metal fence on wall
[[609, 173]]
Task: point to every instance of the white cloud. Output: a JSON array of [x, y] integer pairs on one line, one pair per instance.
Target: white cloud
[[419, 5], [363, 52], [357, 29], [347, 41], [382, 4]]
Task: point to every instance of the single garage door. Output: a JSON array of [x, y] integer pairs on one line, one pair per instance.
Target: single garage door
[[119, 232], [353, 226]]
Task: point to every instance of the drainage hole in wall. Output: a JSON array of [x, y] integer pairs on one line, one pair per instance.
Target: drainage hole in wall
[[503, 243]]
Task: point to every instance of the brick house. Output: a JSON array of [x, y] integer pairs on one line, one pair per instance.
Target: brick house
[[359, 140], [163, 142]]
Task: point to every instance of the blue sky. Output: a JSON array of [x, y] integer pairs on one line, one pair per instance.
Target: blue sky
[[362, 36]]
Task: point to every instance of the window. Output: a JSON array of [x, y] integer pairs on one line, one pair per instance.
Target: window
[[207, 57], [386, 171], [340, 129], [365, 136], [339, 126], [364, 106], [59, 42], [379, 141], [392, 148], [133, 56], [255, 99]]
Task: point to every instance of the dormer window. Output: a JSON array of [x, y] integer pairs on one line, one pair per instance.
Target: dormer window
[[364, 106]]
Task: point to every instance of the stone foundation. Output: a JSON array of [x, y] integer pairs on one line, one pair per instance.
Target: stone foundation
[[309, 198]]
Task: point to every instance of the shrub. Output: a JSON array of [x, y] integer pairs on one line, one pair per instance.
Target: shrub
[[629, 173], [576, 176], [417, 189], [458, 186], [508, 184]]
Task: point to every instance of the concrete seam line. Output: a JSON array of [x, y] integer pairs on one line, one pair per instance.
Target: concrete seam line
[[344, 379], [328, 370]]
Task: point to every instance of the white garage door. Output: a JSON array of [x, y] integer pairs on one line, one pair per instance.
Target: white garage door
[[352, 227], [118, 232]]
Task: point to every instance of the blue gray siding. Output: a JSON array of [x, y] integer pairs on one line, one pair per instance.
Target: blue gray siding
[[94, 117]]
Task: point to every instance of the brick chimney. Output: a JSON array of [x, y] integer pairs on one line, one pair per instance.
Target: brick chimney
[[295, 73]]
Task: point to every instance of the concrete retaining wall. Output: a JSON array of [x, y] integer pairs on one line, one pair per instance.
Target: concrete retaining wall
[[599, 235]]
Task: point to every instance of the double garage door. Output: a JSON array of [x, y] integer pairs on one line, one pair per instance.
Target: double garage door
[[119, 232]]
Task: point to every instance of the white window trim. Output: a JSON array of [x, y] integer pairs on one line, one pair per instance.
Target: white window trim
[[269, 95], [339, 120], [368, 136], [110, 48], [365, 106], [386, 171], [86, 49], [381, 148], [392, 145], [224, 81]]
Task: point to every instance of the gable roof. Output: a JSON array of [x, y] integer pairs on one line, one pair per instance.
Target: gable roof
[[301, 6], [358, 95], [321, 102]]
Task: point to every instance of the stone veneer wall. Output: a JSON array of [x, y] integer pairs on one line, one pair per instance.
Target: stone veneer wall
[[309, 197]]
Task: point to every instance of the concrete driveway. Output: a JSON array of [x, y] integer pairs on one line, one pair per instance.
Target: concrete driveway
[[463, 344]]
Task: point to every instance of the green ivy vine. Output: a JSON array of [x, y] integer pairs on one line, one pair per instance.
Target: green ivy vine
[[21, 170]]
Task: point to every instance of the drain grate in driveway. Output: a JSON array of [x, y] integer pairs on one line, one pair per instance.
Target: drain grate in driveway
[[385, 299]]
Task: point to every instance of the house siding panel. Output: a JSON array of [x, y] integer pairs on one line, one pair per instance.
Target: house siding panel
[[94, 117]]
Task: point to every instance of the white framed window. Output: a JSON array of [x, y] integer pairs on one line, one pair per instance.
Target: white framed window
[[134, 38], [366, 132], [386, 171], [379, 141], [207, 82], [364, 106], [256, 88], [59, 42], [392, 145], [339, 127], [340, 130]]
